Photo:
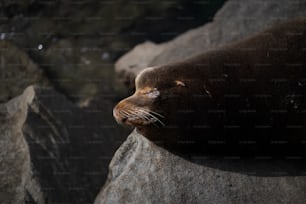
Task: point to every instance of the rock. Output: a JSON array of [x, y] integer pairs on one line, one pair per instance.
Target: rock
[[17, 71], [16, 178], [141, 172], [145, 53], [53, 151], [77, 70], [235, 20]]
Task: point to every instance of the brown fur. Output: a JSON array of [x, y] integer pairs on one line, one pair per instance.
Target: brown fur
[[227, 99]]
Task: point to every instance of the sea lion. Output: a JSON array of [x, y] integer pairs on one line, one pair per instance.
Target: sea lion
[[246, 97]]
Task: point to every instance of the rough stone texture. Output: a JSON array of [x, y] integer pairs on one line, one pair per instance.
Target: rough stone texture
[[16, 178], [145, 53], [235, 20], [78, 71], [53, 151], [141, 172], [17, 71]]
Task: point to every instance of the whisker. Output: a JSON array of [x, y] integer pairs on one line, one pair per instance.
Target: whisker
[[148, 116], [143, 115], [153, 116], [124, 113], [153, 112], [137, 114], [132, 114]]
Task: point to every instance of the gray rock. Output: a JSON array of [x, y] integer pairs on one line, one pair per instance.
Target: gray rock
[[53, 151], [16, 178], [78, 71], [237, 19], [142, 172], [130, 64], [17, 71]]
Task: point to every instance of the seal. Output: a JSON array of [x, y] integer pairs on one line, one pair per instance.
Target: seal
[[248, 96]]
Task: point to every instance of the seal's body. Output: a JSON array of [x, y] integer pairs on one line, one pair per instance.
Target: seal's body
[[249, 96]]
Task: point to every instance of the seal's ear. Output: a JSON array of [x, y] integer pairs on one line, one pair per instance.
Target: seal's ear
[[180, 83]]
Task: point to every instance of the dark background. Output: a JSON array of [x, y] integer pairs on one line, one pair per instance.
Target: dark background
[[71, 46], [75, 43]]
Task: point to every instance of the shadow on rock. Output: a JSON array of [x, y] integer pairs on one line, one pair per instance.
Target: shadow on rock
[[67, 148]]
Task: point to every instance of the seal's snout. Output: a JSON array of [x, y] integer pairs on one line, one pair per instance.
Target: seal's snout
[[127, 112], [118, 115]]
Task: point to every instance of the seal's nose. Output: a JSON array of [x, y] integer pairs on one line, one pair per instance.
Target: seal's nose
[[120, 118], [116, 114]]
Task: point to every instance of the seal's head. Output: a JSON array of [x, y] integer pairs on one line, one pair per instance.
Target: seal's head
[[161, 100], [135, 110], [138, 110], [149, 105]]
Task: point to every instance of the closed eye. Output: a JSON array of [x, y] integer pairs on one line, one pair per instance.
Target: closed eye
[[179, 83]]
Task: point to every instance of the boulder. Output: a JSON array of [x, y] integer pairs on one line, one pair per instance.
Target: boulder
[[17, 71], [236, 20], [53, 151], [141, 55], [141, 172], [17, 182], [77, 70]]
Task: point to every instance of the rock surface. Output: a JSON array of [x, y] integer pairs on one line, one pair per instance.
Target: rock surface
[[236, 20], [16, 178], [17, 71], [141, 172], [135, 60], [77, 70], [53, 151]]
